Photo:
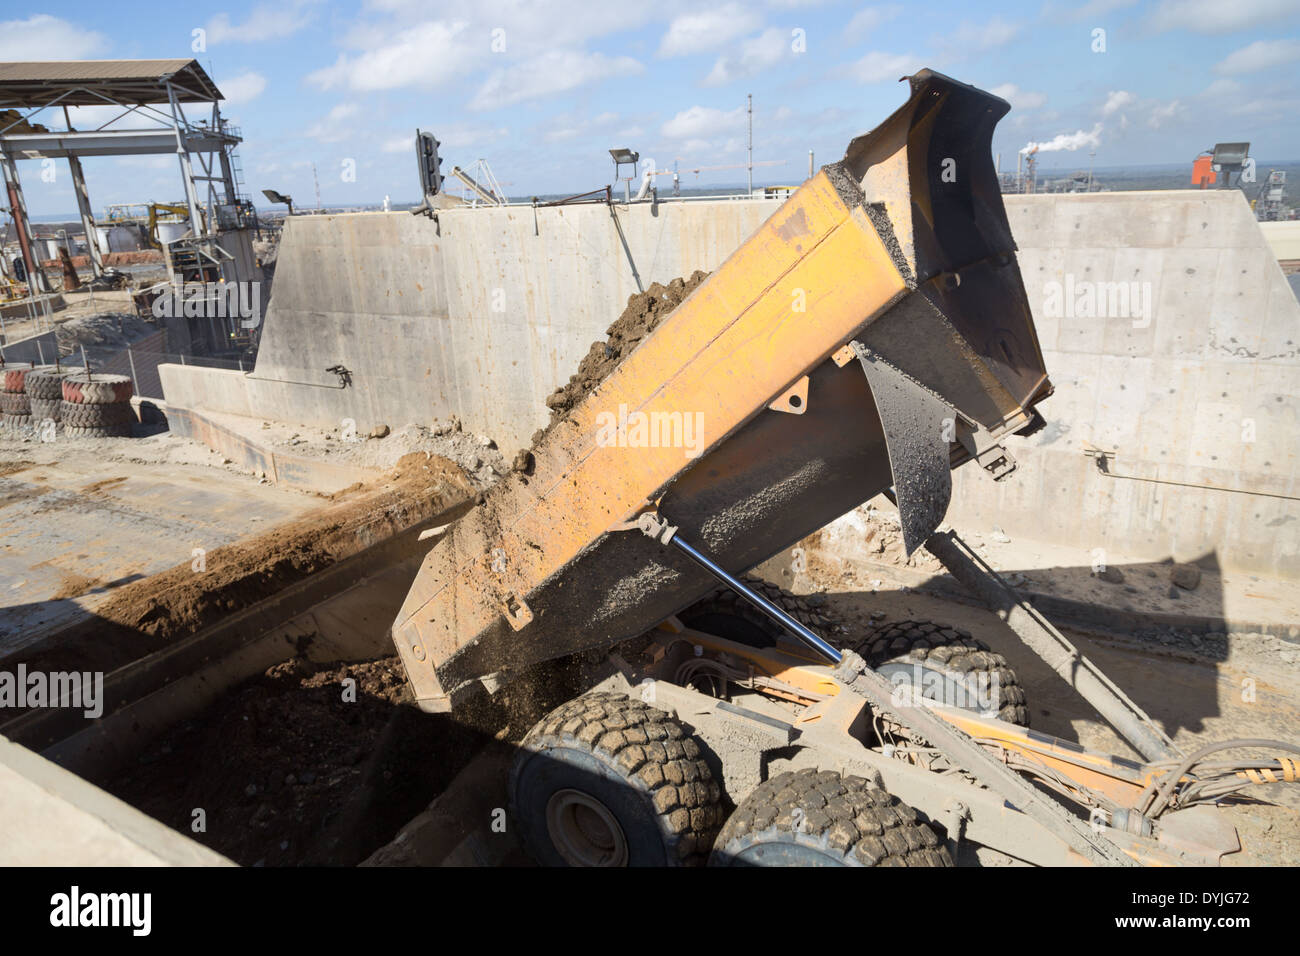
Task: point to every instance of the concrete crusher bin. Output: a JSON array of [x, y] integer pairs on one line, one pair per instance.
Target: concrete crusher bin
[[872, 333]]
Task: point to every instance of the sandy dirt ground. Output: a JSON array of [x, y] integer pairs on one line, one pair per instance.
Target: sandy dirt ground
[[80, 519]]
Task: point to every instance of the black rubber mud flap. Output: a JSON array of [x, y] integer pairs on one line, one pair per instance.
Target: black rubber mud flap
[[918, 427]]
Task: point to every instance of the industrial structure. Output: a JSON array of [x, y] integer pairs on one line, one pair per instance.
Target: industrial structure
[[159, 107]]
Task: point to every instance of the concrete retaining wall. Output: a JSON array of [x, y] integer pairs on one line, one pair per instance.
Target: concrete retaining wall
[[1203, 396], [485, 312], [480, 314]]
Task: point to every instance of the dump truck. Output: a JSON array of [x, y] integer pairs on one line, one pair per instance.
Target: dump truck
[[871, 336]]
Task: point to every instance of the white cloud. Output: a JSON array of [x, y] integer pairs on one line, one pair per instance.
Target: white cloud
[[263, 23], [1117, 100], [755, 55], [555, 72], [1223, 87], [707, 29], [1161, 114], [243, 88], [1089, 10], [1215, 16], [337, 125], [868, 18], [571, 125], [426, 55], [1018, 98], [43, 37], [1260, 55], [463, 137], [979, 37], [1067, 141], [877, 67], [106, 116], [703, 121]]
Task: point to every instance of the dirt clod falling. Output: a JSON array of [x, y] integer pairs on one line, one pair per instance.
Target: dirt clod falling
[[644, 312]]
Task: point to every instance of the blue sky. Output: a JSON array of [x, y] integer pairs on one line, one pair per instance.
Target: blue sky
[[543, 89]]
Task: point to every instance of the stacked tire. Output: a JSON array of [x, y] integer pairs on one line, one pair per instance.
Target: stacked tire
[[15, 409], [44, 387], [96, 405]]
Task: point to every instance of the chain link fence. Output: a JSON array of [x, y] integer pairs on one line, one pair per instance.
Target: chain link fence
[[142, 366]]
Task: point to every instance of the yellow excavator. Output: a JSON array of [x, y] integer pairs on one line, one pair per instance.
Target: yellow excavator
[[871, 336], [158, 209]]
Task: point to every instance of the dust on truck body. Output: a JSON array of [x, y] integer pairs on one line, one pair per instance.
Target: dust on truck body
[[872, 334], [903, 246]]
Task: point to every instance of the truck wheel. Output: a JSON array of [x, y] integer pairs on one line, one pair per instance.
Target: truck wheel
[[605, 780], [727, 615], [43, 409], [13, 376], [820, 818], [97, 389], [44, 383], [96, 416], [951, 666], [15, 403]]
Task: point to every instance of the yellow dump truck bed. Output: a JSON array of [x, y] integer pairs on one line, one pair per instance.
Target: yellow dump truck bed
[[902, 248]]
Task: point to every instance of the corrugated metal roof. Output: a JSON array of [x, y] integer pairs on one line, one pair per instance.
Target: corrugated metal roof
[[34, 83]]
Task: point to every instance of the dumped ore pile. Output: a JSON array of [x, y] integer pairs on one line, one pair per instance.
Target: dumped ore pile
[[642, 316], [307, 764], [148, 614], [319, 764]]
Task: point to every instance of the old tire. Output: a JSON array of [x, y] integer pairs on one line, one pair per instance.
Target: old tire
[[15, 422], [45, 383], [14, 375], [606, 780], [96, 416], [100, 389], [15, 403], [952, 666], [820, 818], [43, 409], [727, 615], [97, 431]]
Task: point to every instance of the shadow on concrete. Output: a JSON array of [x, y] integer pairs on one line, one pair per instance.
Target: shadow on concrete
[[17, 620], [1135, 607]]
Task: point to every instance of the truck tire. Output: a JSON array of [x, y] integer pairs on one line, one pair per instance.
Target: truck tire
[[606, 780], [820, 818], [972, 676], [100, 389], [96, 416], [15, 403], [96, 431], [727, 615], [15, 422], [14, 375], [45, 383], [43, 409]]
